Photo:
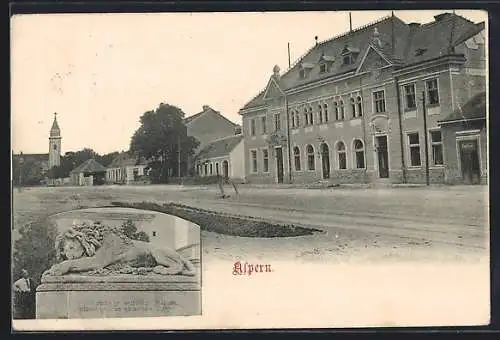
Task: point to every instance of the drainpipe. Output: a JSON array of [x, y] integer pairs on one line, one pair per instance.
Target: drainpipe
[[426, 140], [400, 121], [288, 140]]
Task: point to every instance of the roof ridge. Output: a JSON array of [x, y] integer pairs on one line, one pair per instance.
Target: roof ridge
[[338, 36]]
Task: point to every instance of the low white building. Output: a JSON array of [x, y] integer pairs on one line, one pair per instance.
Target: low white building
[[126, 169], [224, 157]]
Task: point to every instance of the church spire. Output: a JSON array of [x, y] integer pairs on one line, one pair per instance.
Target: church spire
[[54, 130]]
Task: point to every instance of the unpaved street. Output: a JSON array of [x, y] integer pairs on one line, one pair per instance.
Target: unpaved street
[[425, 224]]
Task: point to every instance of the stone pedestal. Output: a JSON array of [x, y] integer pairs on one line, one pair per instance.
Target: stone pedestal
[[118, 296]]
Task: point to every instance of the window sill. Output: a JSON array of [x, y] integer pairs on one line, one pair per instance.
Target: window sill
[[414, 167], [436, 167], [410, 109]]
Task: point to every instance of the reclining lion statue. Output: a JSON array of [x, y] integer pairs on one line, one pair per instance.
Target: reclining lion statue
[[88, 247]]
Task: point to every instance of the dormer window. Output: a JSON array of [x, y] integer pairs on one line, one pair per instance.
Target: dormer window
[[305, 68], [349, 55], [323, 68], [325, 62], [348, 59]]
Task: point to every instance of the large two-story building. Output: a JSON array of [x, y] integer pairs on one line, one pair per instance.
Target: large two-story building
[[369, 106]]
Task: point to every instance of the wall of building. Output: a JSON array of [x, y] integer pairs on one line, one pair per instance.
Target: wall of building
[[208, 127], [237, 162], [453, 174]]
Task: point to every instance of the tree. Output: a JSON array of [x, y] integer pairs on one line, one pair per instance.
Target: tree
[[26, 172], [158, 139], [106, 159]]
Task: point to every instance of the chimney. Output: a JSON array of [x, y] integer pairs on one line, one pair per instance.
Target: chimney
[[441, 16], [237, 130], [206, 107], [414, 25]]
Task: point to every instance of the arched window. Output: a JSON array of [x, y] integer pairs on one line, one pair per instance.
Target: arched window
[[359, 103], [310, 157], [359, 153], [211, 169], [295, 119], [320, 114], [310, 114], [353, 108], [336, 108], [55, 146], [341, 110], [296, 157], [306, 116], [217, 169], [341, 155], [325, 113]]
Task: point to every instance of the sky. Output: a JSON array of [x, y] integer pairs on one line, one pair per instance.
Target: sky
[[101, 72]]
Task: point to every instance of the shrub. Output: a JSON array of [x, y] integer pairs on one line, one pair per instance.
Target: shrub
[[35, 249]]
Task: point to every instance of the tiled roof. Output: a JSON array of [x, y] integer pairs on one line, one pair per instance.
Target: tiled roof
[[90, 165], [125, 159], [473, 109], [220, 147], [432, 40], [206, 109]]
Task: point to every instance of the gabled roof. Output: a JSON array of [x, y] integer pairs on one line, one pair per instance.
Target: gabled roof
[[206, 109], [90, 165], [475, 108], [412, 44], [220, 147], [126, 159]]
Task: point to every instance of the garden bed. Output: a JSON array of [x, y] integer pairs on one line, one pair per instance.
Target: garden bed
[[223, 224]]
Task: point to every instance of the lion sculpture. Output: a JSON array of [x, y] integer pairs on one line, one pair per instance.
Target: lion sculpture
[[86, 247]]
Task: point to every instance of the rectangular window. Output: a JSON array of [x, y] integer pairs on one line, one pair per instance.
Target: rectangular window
[[263, 122], [379, 101], [414, 145], [323, 68], [410, 99], [252, 127], [277, 122], [253, 161], [325, 112], [265, 160], [437, 147], [432, 92]]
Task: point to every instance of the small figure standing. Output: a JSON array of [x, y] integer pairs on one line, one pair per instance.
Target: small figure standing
[[23, 297]]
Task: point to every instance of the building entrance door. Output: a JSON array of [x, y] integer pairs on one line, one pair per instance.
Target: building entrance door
[[279, 164], [382, 156], [469, 161]]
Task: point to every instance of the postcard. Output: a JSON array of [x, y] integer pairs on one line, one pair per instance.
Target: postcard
[[190, 171]]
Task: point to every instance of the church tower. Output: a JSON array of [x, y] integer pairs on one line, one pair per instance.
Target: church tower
[[55, 144]]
